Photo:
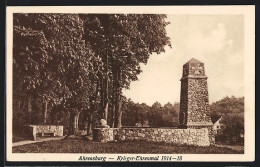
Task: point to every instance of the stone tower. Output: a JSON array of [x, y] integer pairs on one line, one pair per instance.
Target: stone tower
[[194, 105]]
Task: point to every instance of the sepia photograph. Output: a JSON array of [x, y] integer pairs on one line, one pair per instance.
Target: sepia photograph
[[96, 84]]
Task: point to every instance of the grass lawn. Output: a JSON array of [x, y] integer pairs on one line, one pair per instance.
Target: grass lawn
[[18, 138], [83, 146]]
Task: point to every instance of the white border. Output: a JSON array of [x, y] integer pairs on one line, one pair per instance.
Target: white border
[[249, 74]]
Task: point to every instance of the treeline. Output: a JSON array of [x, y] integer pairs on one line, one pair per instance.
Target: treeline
[[230, 108], [135, 114], [71, 67], [227, 106]]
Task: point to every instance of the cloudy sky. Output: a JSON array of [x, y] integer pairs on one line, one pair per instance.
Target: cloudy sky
[[216, 40]]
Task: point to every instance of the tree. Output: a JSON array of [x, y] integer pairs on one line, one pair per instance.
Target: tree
[[170, 114], [123, 42], [234, 126], [155, 115], [227, 105], [71, 58], [30, 59], [80, 63], [52, 61], [137, 36], [134, 112], [232, 111]]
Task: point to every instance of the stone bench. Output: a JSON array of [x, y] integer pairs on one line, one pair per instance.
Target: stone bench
[[53, 130]]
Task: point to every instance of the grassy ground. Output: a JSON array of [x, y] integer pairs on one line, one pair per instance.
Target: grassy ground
[[18, 138], [83, 146]]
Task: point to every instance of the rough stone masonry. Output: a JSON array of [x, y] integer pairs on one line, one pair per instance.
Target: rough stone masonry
[[194, 104], [198, 137]]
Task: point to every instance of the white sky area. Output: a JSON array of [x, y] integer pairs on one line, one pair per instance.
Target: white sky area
[[215, 40]]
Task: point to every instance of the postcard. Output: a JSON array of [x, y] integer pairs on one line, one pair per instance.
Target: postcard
[[130, 83]]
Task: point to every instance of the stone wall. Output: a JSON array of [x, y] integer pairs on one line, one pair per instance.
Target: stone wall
[[198, 137]]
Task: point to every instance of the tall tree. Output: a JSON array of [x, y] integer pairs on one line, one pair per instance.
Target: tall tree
[[123, 41], [52, 61], [30, 60], [71, 59]]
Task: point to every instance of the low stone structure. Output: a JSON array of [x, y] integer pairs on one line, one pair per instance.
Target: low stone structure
[[53, 130], [198, 137], [105, 134]]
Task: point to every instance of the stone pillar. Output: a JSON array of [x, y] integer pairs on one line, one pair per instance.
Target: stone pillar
[[194, 104]]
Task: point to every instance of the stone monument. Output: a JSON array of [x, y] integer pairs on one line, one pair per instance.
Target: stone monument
[[194, 105]]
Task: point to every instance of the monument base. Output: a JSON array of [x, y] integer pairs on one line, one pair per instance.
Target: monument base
[[200, 125]]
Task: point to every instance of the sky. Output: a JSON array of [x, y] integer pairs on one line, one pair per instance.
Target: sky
[[215, 40]]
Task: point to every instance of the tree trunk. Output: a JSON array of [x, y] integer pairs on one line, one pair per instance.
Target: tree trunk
[[112, 116], [45, 112], [100, 115], [19, 105], [104, 99], [104, 91], [89, 124], [73, 126], [113, 107], [29, 111], [76, 124], [118, 112], [104, 88], [106, 110]]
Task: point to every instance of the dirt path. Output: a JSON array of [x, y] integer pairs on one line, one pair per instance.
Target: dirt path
[[40, 139]]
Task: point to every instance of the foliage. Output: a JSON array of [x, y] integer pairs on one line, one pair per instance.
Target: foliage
[[153, 116], [134, 113], [232, 111], [51, 60], [228, 105], [71, 65], [122, 41]]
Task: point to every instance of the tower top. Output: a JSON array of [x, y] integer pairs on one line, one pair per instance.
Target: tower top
[[193, 68], [192, 61]]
